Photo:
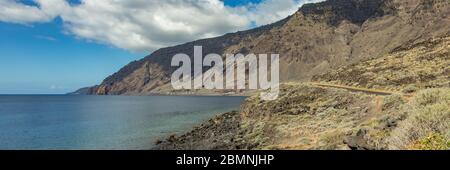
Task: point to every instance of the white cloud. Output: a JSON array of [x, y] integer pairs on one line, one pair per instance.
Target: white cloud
[[11, 11], [43, 37], [145, 25]]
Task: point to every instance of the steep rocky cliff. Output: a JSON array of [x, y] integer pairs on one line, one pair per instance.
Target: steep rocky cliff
[[317, 38]]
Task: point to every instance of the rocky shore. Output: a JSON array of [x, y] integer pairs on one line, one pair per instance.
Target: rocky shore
[[310, 117], [221, 133]]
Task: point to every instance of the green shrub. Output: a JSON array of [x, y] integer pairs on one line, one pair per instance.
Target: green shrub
[[431, 142]]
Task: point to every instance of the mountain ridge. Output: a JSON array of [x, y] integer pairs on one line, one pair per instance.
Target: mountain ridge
[[317, 38]]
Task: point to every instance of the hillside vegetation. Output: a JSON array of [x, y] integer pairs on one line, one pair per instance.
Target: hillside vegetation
[[311, 117], [419, 66]]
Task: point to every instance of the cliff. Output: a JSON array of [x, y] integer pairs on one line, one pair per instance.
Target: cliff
[[317, 38]]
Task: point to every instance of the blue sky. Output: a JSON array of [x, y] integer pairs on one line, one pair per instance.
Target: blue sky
[[41, 59], [57, 52], [240, 2]]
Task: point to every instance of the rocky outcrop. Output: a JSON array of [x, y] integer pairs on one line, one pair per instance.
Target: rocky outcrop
[[220, 132]]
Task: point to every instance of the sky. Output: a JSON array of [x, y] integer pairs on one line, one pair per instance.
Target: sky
[[58, 46]]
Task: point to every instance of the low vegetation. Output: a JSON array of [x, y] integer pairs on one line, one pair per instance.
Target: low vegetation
[[428, 123], [310, 117], [420, 66]]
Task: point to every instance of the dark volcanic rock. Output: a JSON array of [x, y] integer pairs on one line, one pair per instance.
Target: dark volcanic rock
[[219, 133]]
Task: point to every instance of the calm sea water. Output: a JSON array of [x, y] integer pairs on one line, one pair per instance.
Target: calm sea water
[[101, 122]]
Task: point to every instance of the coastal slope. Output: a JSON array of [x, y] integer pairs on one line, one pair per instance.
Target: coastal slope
[[344, 109]]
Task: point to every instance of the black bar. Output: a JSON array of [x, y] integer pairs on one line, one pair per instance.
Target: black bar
[[168, 159]]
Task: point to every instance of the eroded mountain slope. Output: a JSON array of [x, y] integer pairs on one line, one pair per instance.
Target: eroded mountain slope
[[317, 38]]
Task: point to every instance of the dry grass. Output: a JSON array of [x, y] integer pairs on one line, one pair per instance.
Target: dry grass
[[392, 101], [429, 113], [424, 65]]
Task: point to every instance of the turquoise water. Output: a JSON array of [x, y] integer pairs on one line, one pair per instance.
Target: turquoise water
[[101, 122]]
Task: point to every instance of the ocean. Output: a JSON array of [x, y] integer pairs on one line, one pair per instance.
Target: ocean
[[57, 122]]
